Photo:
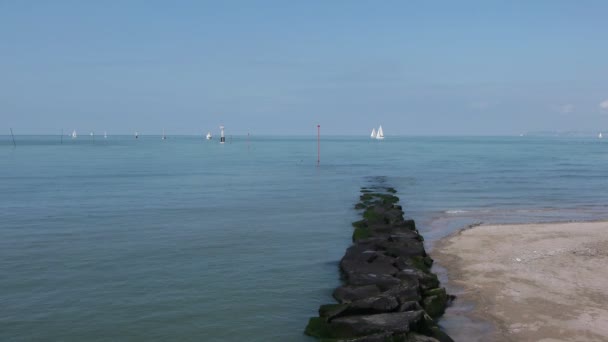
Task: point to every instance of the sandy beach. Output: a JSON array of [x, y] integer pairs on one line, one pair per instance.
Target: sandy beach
[[534, 282]]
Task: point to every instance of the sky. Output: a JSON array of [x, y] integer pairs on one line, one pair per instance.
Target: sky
[[282, 67]]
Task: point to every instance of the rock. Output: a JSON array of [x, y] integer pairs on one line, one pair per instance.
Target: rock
[[426, 281], [359, 206], [413, 337], [318, 327], [376, 304], [383, 281], [410, 306], [440, 335], [405, 248], [360, 234], [330, 311], [404, 293], [368, 262], [347, 294], [359, 253], [393, 216], [384, 232], [430, 328], [381, 337], [435, 302], [422, 263], [355, 326], [374, 214]]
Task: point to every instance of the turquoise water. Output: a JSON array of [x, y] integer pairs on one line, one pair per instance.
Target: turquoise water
[[190, 240]]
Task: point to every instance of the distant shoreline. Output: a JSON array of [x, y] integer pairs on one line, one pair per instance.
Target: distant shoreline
[[532, 281]]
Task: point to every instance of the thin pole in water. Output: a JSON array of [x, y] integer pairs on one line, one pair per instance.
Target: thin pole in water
[[318, 145], [13, 136]]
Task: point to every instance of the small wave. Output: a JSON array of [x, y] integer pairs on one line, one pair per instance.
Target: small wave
[[455, 211]]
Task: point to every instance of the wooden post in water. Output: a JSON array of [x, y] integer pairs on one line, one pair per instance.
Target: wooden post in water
[[13, 136], [318, 145]]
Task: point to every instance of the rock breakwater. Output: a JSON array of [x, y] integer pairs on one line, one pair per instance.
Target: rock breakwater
[[389, 292]]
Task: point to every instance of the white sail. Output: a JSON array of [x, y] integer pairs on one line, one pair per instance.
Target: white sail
[[164, 137], [380, 134], [600, 135], [208, 136], [105, 135], [373, 135], [136, 135], [74, 135]]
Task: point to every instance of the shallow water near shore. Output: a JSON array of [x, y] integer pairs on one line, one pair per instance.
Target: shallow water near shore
[[187, 239]]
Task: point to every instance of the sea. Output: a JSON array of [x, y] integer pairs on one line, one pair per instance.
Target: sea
[[184, 239]]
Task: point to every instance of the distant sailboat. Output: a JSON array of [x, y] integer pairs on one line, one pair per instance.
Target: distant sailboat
[[105, 135], [373, 135], [208, 136], [164, 136], [380, 134], [599, 136], [91, 134], [136, 135], [74, 135]]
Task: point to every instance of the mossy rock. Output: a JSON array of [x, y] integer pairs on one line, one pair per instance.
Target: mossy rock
[[429, 281], [318, 327], [439, 335], [366, 197], [331, 310], [389, 199], [361, 233], [391, 190], [435, 302], [422, 263], [371, 215], [360, 224], [439, 291], [360, 205]]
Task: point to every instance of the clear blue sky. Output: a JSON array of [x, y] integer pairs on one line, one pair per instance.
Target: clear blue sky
[[281, 67]]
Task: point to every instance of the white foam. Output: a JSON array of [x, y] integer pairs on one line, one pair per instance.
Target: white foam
[[455, 211]]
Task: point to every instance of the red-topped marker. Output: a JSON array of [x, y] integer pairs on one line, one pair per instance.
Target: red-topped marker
[[318, 145]]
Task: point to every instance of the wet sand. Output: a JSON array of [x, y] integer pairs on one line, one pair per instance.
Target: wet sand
[[533, 282]]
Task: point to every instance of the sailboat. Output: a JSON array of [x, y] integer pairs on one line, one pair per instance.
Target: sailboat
[[380, 134], [74, 135], [136, 135], [208, 136], [105, 135], [599, 136], [164, 136], [373, 135]]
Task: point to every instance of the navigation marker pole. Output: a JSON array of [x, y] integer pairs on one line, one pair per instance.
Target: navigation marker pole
[[318, 145], [222, 137], [12, 135]]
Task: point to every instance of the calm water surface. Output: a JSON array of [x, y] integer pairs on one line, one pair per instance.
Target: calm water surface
[[190, 240]]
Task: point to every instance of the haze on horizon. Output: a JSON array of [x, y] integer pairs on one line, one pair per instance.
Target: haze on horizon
[[279, 67]]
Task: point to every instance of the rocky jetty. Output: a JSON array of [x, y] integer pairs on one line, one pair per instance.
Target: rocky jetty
[[388, 291]]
